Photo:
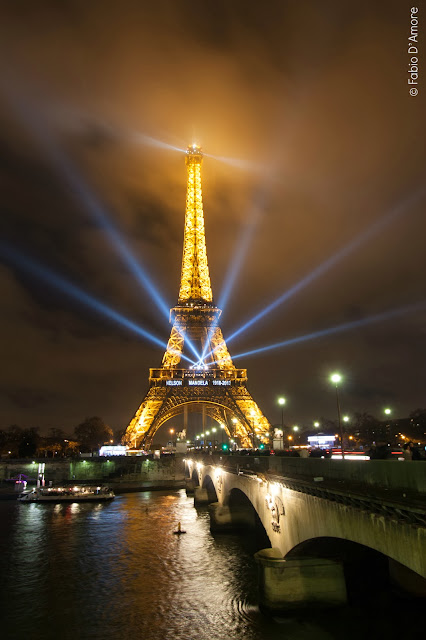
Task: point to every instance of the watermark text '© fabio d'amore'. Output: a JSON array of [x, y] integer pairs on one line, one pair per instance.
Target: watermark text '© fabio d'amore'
[[413, 52]]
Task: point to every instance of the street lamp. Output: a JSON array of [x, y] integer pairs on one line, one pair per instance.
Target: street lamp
[[387, 413], [316, 425], [214, 437], [222, 428], [336, 378], [281, 402]]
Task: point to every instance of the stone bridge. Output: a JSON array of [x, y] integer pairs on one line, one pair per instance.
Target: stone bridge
[[318, 514]]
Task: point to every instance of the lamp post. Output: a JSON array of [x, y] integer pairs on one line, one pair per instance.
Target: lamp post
[[296, 429], [281, 402], [336, 378], [214, 437], [387, 413], [222, 428]]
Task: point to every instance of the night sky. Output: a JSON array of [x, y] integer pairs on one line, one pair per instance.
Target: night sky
[[316, 181]]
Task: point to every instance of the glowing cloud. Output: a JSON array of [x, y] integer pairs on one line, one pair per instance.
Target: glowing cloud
[[62, 164]]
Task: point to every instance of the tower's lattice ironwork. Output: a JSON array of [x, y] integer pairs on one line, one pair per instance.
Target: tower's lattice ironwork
[[212, 385]]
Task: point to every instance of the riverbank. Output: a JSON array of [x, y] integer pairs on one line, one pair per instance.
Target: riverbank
[[122, 474]]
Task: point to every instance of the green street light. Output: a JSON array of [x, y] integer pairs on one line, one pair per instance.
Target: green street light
[[316, 425], [336, 378], [345, 418], [388, 411]]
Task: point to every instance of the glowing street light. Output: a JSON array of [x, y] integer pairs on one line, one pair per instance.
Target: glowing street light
[[281, 402], [316, 425], [387, 411], [336, 378], [345, 418], [214, 437]]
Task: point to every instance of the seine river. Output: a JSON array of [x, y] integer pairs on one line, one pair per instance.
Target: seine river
[[117, 571]]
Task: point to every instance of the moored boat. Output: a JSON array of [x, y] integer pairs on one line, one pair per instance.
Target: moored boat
[[68, 494]]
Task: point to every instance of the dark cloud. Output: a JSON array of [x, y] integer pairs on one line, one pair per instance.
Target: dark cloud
[[312, 97]]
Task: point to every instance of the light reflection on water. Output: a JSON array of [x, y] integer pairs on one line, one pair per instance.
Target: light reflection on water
[[116, 570]]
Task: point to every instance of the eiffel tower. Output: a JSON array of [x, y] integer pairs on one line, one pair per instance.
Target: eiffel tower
[[210, 384]]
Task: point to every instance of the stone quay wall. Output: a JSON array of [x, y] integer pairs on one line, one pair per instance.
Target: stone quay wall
[[121, 473]]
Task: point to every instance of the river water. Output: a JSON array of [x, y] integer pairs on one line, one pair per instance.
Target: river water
[[116, 571]]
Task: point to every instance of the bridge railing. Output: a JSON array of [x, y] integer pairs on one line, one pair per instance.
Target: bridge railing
[[393, 476]]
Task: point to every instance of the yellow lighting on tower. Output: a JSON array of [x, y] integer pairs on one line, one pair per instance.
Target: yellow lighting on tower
[[195, 324], [195, 277]]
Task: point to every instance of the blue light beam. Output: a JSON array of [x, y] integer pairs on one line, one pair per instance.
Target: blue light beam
[[81, 191], [44, 274], [142, 138], [346, 326], [237, 163], [360, 239], [237, 261]]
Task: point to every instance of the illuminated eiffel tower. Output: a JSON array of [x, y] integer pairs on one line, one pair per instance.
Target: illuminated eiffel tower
[[212, 385]]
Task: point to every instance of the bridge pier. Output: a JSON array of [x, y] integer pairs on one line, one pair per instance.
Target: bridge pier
[[220, 518], [293, 584], [189, 486], [224, 519], [201, 496]]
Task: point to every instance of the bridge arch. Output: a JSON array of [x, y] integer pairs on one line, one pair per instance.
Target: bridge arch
[[295, 514], [210, 488], [340, 533]]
